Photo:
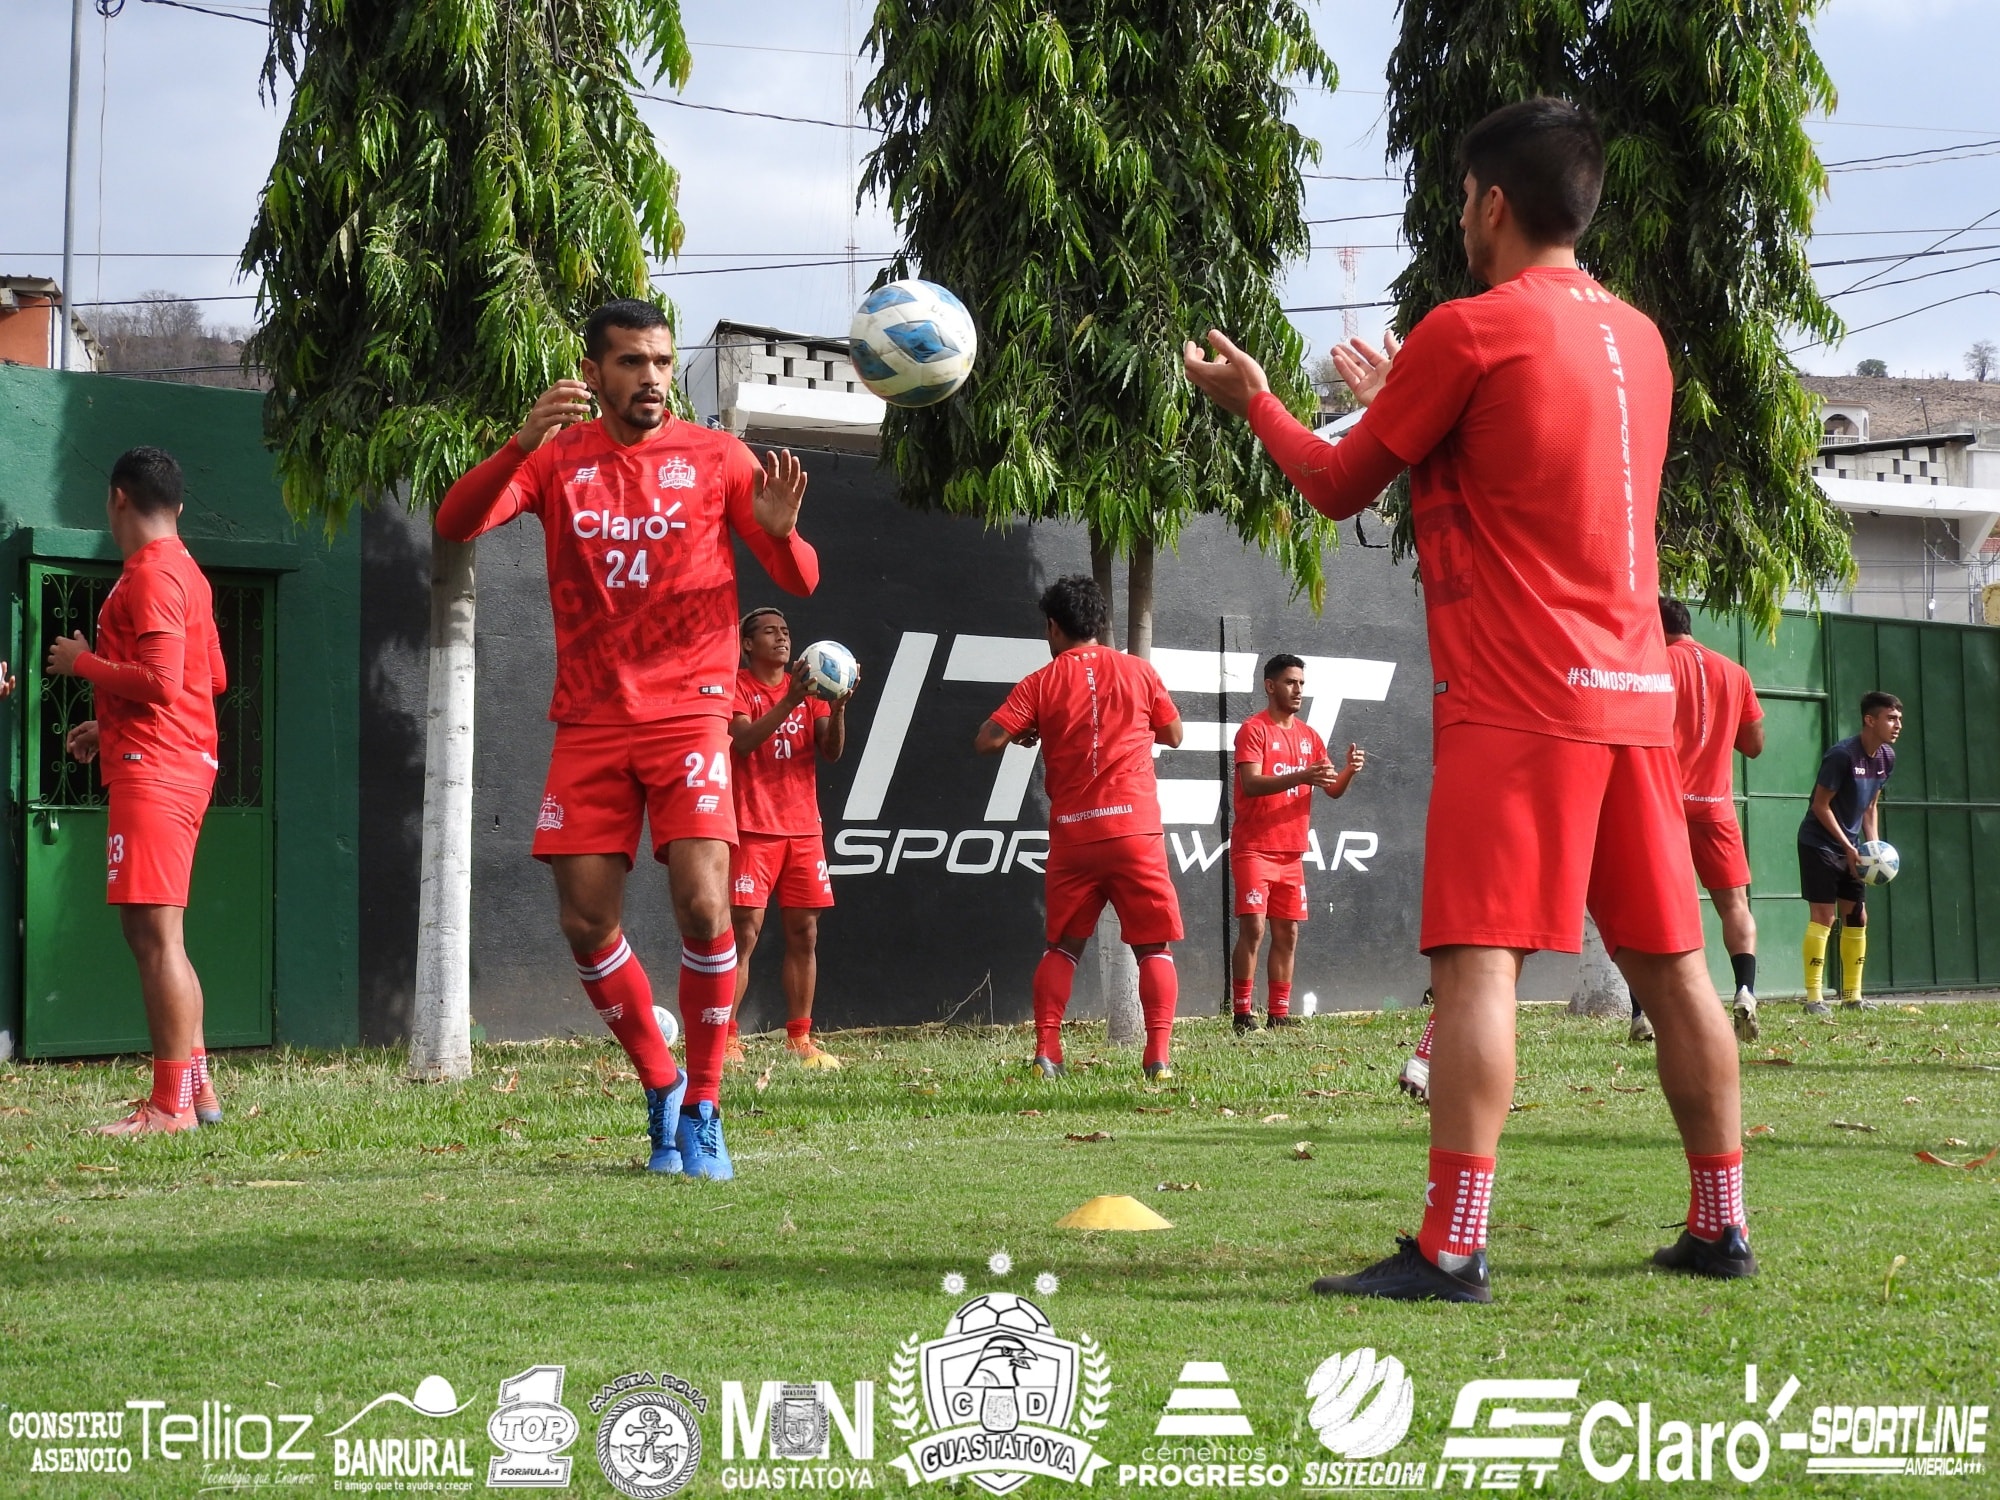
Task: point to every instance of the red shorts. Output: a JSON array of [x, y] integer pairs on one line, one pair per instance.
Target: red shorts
[[151, 834], [793, 867], [1527, 830], [1129, 872], [603, 778], [1720, 863], [1268, 885]]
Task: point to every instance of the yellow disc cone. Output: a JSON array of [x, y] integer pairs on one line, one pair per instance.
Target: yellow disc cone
[[1115, 1211]]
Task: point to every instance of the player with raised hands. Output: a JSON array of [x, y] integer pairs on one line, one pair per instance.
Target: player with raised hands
[[637, 510]]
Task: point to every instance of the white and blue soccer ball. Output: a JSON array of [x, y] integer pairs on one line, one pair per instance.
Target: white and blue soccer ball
[[912, 342], [670, 1024], [1879, 862], [830, 670]]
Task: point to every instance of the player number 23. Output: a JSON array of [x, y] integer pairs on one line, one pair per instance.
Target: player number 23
[[620, 574], [717, 770]]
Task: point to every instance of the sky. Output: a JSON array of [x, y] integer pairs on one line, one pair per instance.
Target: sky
[[174, 144]]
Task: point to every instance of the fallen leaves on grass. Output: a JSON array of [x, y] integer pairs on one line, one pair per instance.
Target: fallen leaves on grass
[[1148, 1109], [1756, 1130], [1934, 1160], [442, 1150], [597, 1140], [1853, 1125], [1181, 1187], [1030, 1114], [253, 1111], [1095, 1135], [1894, 1266], [1273, 1119], [763, 1081], [16, 1109], [1324, 1093], [1634, 1088], [1522, 1109], [91, 1166], [1583, 1088], [1911, 1099], [1302, 1150], [511, 1126], [1952, 1140], [1227, 1113], [511, 1085], [271, 1182], [1773, 1062]]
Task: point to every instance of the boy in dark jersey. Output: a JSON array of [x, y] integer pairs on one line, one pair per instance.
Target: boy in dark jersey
[[1533, 420], [1846, 803], [154, 675], [1279, 760], [637, 510], [1097, 714], [778, 732]]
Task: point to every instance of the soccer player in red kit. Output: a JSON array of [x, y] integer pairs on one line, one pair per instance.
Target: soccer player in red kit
[[1279, 760], [777, 733], [1533, 420], [1097, 714], [637, 509], [154, 676]]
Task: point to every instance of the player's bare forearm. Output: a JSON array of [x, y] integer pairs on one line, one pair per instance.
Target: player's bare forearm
[[1822, 811], [1170, 735], [1259, 784], [1338, 783], [1870, 826], [1750, 739], [833, 732], [992, 739]]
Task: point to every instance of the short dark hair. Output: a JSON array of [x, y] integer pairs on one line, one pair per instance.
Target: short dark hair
[[1879, 702], [1280, 664], [1547, 156], [759, 612], [150, 478], [1674, 617], [627, 312], [1076, 606]]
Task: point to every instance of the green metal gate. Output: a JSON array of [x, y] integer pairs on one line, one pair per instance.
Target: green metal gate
[[80, 988], [1941, 810]]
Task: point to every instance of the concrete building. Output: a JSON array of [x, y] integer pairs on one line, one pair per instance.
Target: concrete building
[[30, 314], [1915, 464], [769, 386]]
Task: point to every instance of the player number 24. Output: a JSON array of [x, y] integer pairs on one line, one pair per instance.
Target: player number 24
[[620, 575], [717, 770]]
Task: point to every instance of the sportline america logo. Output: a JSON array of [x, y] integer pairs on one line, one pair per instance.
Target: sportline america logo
[[999, 1399]]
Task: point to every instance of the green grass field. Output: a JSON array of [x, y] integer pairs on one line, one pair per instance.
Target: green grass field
[[346, 1234]]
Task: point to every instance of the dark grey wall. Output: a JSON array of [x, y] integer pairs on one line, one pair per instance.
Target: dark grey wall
[[924, 941]]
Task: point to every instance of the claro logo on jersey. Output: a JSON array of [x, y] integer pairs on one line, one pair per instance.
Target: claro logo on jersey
[[1190, 804], [616, 526]]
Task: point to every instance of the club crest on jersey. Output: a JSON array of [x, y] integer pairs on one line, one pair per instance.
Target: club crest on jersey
[[677, 474], [551, 816]]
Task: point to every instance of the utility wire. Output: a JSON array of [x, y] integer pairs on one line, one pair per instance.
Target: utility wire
[[1914, 254], [1853, 162], [1926, 275], [1899, 317], [756, 114]]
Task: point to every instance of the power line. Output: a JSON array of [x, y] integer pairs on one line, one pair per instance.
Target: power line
[[1357, 218], [1914, 254], [1926, 275], [200, 10], [1899, 317], [1336, 307], [1869, 260], [1863, 161], [756, 114]]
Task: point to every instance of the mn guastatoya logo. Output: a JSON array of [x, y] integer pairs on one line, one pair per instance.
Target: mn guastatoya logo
[[999, 1398]]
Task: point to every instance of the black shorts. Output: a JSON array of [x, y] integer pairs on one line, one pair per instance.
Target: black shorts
[[1824, 877]]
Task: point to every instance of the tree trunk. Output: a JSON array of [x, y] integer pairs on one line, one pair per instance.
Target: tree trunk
[[1117, 969], [441, 1014], [1600, 988], [1101, 559], [1139, 601]]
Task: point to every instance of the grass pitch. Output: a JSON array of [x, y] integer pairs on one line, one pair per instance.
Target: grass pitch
[[346, 1233]]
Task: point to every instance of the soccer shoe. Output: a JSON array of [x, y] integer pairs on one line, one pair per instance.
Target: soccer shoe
[[1243, 1021], [702, 1151], [1642, 1027], [150, 1119], [663, 1111], [732, 1052], [1818, 1008], [1279, 1022], [1044, 1068], [1407, 1276], [1744, 1014], [1415, 1079], [207, 1108], [1725, 1259], [811, 1055], [1856, 1002], [1159, 1073]]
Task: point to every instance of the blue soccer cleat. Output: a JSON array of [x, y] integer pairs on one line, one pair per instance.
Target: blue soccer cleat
[[663, 1112], [700, 1138]]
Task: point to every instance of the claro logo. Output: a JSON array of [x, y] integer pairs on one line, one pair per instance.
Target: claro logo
[[1190, 806]]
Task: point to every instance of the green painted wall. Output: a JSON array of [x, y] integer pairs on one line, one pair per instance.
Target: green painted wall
[[59, 434], [1941, 809]]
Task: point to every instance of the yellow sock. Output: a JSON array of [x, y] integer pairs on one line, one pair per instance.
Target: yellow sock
[[1853, 951], [1815, 955]]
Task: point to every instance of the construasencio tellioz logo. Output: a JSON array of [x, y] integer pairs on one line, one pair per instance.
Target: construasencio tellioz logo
[[999, 1399]]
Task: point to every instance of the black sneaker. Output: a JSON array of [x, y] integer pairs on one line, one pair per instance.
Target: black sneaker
[[1725, 1259], [1278, 1022], [1244, 1022], [1043, 1068], [1407, 1276]]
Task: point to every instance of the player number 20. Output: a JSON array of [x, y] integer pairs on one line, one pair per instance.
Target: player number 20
[[702, 771], [620, 574]]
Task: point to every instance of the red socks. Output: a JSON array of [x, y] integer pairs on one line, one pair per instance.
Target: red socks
[[1159, 990], [173, 1086], [1715, 1194], [623, 996], [1456, 1201], [795, 1031], [707, 993], [1055, 975], [198, 1064], [1280, 1002], [1424, 1041], [1239, 995]]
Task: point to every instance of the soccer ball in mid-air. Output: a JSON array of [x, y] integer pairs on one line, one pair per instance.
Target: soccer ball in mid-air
[[1879, 862], [830, 670], [991, 1311], [670, 1024], [912, 342]]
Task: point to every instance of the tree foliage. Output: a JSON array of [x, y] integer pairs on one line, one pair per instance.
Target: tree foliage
[[1710, 188], [458, 183], [1099, 180]]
